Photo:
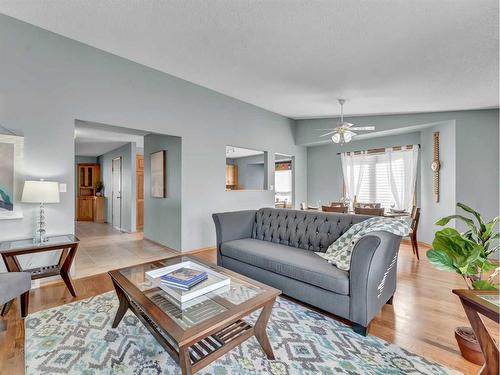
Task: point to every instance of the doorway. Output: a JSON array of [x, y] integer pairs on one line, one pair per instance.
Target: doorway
[[116, 193], [283, 181]]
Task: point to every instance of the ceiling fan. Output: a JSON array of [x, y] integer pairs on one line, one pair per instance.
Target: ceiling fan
[[343, 132]]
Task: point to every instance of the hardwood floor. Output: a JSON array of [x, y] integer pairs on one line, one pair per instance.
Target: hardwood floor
[[422, 318]]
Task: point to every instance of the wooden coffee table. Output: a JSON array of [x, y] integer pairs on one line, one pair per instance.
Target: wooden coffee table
[[197, 335]]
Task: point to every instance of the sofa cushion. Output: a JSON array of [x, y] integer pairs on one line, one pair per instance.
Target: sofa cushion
[[308, 230], [288, 261]]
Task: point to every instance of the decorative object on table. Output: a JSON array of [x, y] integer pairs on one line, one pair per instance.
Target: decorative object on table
[[11, 166], [158, 172], [11, 250], [207, 280], [13, 284], [99, 188], [436, 165], [304, 342], [339, 253], [212, 325], [184, 278], [41, 192], [484, 302], [467, 254], [343, 132]]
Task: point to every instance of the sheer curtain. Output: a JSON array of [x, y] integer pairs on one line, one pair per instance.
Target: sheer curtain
[[353, 169], [402, 180], [387, 178]]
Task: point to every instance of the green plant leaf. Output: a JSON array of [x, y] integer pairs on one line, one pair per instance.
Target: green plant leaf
[[471, 211], [483, 285], [466, 220], [441, 260]]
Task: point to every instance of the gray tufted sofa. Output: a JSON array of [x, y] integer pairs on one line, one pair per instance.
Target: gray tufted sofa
[[276, 247]]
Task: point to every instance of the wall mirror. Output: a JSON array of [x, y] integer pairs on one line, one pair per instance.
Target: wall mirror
[[246, 169]]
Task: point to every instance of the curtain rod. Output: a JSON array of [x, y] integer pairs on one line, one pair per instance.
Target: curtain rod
[[379, 150]]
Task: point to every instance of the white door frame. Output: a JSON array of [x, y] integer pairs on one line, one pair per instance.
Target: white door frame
[[113, 193]]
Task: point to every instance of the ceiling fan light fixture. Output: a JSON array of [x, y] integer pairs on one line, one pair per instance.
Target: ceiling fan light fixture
[[348, 136], [336, 138]]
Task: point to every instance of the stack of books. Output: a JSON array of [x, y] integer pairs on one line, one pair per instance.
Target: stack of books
[[184, 278]]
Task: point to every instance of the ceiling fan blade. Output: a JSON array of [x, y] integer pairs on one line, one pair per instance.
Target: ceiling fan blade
[[326, 134], [363, 128]]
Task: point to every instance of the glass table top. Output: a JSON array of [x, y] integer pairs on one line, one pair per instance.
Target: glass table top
[[30, 243], [196, 310]]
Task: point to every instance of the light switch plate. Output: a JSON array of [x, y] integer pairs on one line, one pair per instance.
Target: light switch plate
[[62, 188]]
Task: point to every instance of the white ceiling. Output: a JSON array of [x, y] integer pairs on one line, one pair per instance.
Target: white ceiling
[[296, 57], [94, 139]]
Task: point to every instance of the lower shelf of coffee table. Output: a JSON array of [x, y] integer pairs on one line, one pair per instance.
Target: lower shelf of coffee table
[[209, 345], [205, 350]]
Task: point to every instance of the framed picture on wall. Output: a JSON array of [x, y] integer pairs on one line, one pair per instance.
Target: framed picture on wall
[[159, 174], [11, 180]]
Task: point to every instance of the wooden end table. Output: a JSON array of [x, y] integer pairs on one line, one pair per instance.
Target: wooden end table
[[196, 335], [68, 243], [474, 304]]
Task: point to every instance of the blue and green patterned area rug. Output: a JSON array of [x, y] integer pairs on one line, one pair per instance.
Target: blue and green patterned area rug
[[77, 338]]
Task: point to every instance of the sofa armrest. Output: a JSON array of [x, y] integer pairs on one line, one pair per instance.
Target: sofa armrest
[[373, 275], [231, 226]]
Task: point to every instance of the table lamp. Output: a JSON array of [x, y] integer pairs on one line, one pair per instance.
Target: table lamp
[[40, 192]]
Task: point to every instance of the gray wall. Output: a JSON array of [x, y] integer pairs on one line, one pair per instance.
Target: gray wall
[[324, 169], [128, 210], [163, 216], [476, 143], [48, 81], [251, 172], [430, 209]]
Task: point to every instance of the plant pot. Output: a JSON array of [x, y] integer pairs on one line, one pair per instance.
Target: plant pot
[[469, 346]]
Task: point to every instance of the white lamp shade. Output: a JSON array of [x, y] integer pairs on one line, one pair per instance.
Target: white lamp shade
[[40, 192]]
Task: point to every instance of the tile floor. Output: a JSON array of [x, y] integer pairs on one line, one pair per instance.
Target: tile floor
[[103, 248]]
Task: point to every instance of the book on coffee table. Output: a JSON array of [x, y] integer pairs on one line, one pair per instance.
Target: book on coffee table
[[213, 281], [184, 278]]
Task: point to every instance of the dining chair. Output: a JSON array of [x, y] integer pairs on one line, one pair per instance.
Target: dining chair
[[337, 204], [369, 211], [415, 218], [341, 209]]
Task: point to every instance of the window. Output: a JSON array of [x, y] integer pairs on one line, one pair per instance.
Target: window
[[283, 176], [387, 178]]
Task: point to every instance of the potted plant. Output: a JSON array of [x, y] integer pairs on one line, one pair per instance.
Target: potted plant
[[467, 254], [99, 188]]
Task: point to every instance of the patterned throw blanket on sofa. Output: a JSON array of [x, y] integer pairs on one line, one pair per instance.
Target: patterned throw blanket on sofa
[[339, 253]]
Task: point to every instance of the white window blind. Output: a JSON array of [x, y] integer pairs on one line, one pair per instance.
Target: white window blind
[[283, 185]]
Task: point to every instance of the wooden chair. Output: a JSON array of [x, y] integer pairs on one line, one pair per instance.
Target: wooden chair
[[337, 204], [415, 218], [369, 211], [341, 209]]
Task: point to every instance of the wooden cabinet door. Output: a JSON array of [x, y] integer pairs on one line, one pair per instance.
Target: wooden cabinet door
[[229, 174], [85, 209]]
